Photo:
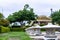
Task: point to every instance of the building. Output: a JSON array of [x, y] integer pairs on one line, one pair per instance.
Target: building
[[42, 20]]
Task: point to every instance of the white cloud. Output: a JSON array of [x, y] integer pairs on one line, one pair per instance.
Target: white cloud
[[40, 6]]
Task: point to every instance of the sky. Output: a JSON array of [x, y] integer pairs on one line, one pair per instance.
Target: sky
[[41, 7]]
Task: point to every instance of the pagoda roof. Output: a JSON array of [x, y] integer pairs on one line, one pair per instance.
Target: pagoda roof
[[43, 17]]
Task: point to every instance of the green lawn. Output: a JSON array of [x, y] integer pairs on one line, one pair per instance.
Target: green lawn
[[21, 35]]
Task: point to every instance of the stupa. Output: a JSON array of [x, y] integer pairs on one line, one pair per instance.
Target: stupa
[[50, 32], [34, 30]]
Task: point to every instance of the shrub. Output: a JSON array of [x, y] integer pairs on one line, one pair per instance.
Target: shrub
[[42, 24], [4, 22], [4, 29], [27, 26], [17, 29], [43, 30], [16, 26]]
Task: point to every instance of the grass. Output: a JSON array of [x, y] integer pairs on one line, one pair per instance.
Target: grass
[[21, 35]]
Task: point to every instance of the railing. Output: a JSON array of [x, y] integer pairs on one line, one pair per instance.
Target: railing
[[44, 34], [50, 36]]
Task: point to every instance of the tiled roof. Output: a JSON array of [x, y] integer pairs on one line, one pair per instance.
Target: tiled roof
[[43, 18]]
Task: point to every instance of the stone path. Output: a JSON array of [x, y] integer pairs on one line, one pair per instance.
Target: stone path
[[3, 34], [14, 38]]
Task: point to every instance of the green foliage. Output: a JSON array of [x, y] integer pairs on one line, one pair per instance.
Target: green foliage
[[21, 36], [42, 24], [11, 18], [56, 17], [17, 29], [5, 29], [4, 22], [26, 6], [22, 15], [1, 16], [27, 26], [43, 30]]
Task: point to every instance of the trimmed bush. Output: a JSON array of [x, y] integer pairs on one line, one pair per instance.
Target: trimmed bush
[[16, 26], [43, 30], [42, 24], [17, 29], [27, 26], [4, 29]]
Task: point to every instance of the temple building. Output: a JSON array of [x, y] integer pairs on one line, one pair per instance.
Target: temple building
[[42, 20]]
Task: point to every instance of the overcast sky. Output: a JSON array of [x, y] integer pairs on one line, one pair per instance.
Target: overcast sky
[[41, 7]]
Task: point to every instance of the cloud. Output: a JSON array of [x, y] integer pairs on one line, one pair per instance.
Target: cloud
[[40, 6]]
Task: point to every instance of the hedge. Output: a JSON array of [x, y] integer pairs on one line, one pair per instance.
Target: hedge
[[4, 29], [17, 29], [42, 24]]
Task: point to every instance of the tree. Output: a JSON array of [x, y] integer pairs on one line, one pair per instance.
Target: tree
[[11, 18], [4, 22], [56, 17], [1, 16], [26, 6], [22, 15]]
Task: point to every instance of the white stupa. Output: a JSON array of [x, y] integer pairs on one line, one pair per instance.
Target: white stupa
[[34, 30], [50, 34], [50, 25]]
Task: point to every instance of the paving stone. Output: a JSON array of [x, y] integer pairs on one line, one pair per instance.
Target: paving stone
[[14, 38]]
